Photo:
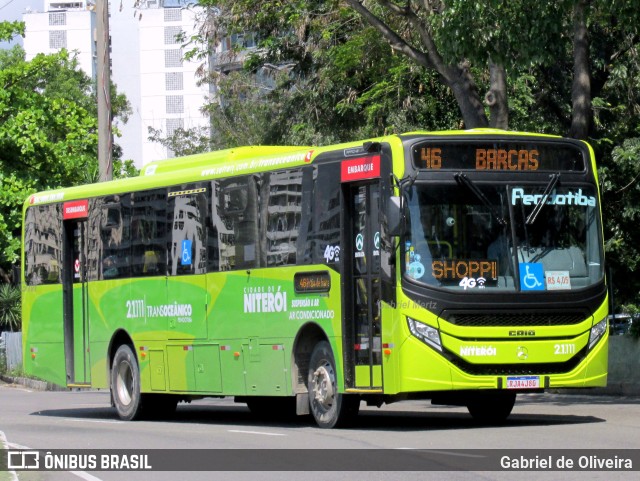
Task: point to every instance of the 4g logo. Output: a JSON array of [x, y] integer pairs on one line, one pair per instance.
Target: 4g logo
[[332, 253], [470, 283]]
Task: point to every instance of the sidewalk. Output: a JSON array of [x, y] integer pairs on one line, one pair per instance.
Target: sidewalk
[[31, 383]]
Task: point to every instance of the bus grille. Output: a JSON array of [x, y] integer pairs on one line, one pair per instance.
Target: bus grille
[[517, 369], [514, 318]]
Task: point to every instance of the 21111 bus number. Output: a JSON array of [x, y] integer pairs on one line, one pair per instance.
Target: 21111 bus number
[[135, 309], [565, 348]]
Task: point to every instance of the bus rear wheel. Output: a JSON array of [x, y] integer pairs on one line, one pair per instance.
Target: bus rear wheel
[[329, 407], [125, 384], [491, 407]]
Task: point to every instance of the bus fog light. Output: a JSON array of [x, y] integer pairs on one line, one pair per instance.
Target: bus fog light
[[427, 334], [597, 332]]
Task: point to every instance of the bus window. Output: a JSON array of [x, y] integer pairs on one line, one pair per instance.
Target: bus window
[[148, 233], [43, 245], [281, 212], [115, 235], [238, 201], [455, 235], [187, 211], [324, 237]]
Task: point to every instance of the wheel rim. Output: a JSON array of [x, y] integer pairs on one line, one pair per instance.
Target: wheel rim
[[323, 386], [124, 383]]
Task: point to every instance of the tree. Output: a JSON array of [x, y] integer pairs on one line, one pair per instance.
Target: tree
[[10, 308], [183, 141], [320, 75], [48, 125], [446, 36]]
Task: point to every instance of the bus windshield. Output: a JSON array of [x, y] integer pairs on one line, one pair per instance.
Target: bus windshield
[[486, 237]]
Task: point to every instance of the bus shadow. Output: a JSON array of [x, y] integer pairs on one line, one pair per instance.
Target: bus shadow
[[441, 421], [382, 420], [569, 399]]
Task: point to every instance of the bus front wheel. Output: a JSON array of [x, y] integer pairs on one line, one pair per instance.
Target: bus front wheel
[[329, 407], [491, 407], [125, 384]]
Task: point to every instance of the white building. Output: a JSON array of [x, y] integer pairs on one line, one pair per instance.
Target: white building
[[146, 63], [63, 24]]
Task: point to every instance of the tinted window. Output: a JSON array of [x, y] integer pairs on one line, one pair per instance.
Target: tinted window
[[43, 245], [235, 222], [281, 214], [323, 241], [110, 236], [149, 233], [187, 211]]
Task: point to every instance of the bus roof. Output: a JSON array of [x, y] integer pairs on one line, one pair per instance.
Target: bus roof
[[218, 157], [232, 162]]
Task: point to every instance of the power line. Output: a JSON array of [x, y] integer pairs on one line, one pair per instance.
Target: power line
[[8, 3]]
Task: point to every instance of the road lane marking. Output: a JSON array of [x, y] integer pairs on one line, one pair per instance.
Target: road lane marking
[[100, 421], [255, 432], [5, 445]]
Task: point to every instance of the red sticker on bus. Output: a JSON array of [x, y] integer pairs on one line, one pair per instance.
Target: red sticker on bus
[[78, 209], [360, 168], [307, 158]]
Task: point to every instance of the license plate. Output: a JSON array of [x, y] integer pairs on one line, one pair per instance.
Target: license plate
[[523, 382]]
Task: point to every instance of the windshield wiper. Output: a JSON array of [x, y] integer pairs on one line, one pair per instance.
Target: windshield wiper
[[466, 181], [553, 180]]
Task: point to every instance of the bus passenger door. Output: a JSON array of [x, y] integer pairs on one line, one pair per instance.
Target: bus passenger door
[[76, 302], [362, 327]]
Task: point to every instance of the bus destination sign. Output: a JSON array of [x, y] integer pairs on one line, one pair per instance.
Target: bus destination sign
[[498, 156], [312, 282]]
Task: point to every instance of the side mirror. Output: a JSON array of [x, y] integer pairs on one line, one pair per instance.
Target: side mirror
[[394, 216]]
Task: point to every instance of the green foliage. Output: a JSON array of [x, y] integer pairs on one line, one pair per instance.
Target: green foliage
[[48, 132], [47, 137], [123, 169], [183, 141], [10, 307], [517, 32], [320, 76], [8, 30], [621, 210]]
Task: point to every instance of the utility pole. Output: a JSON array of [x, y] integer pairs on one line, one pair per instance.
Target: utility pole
[[105, 163]]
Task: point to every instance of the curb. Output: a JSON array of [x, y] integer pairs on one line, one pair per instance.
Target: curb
[[32, 383]]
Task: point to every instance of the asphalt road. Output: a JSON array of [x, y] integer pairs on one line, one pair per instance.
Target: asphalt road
[[83, 420]]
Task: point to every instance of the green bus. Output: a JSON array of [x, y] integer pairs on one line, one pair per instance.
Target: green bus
[[462, 267]]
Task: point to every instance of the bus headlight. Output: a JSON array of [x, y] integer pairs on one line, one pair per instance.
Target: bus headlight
[[427, 334], [597, 332]]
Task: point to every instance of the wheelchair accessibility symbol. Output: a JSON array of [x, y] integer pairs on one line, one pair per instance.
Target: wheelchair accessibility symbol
[[531, 276], [185, 258]]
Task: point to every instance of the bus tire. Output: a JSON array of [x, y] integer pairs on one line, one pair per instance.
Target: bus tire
[[491, 407], [329, 407], [125, 384]]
